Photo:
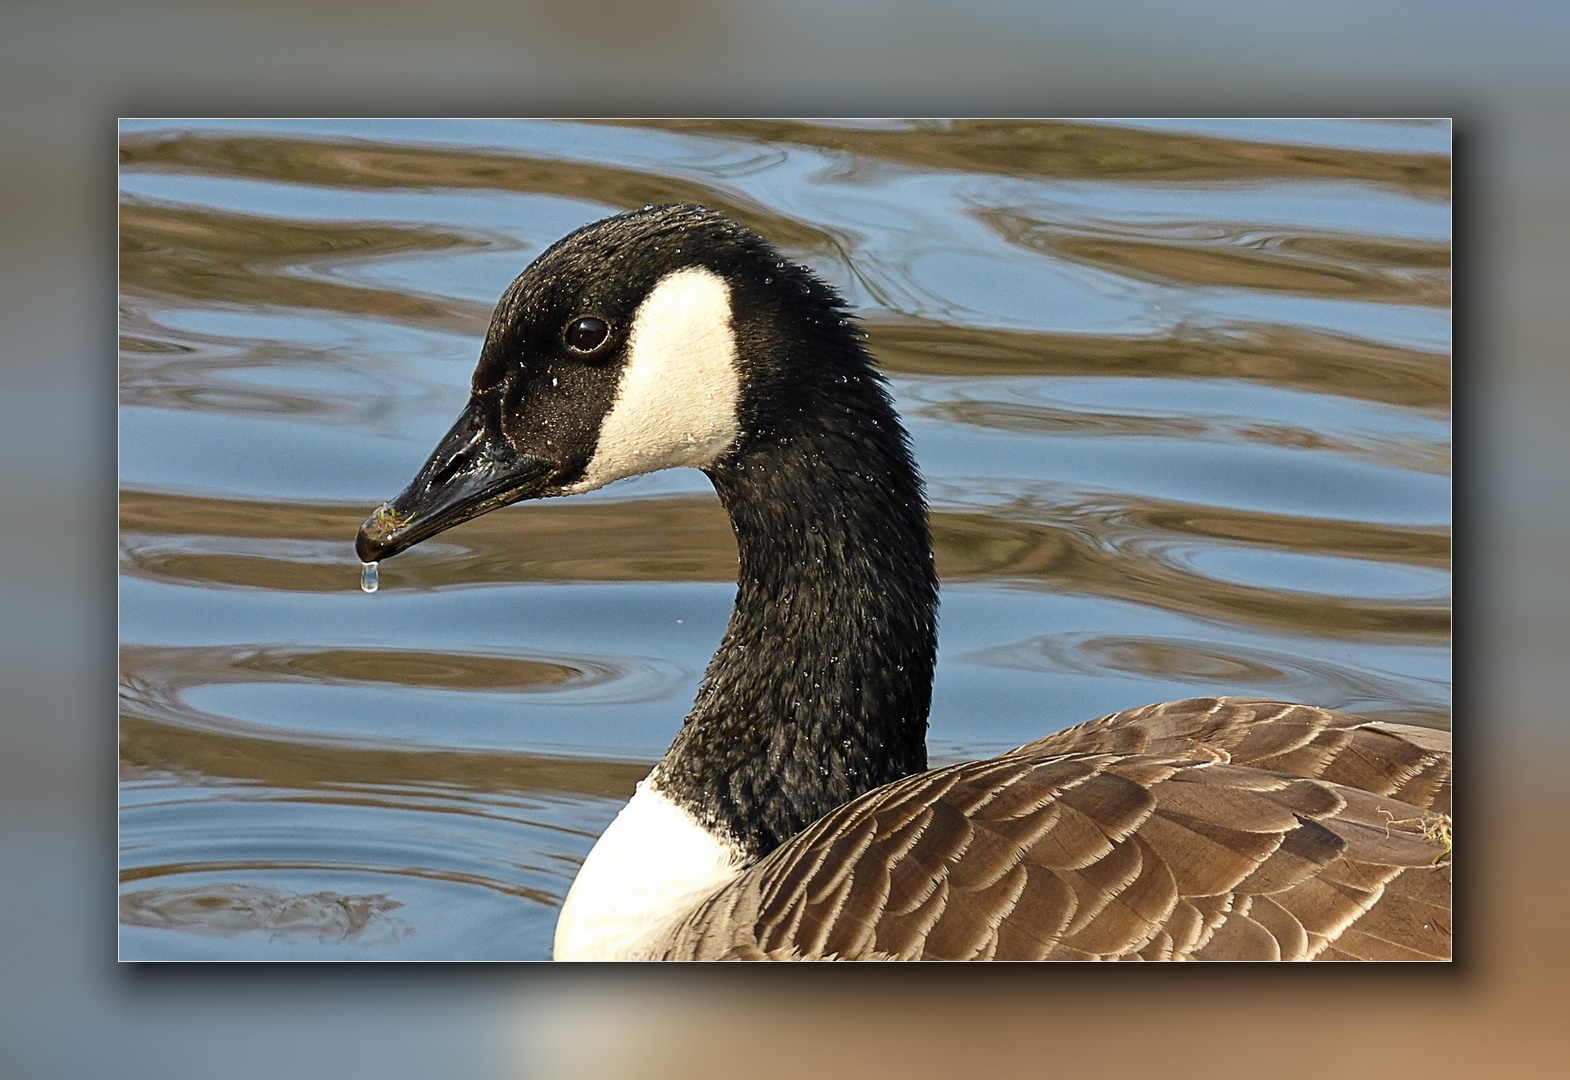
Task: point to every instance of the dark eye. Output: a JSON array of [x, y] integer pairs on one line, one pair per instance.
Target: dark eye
[[587, 334]]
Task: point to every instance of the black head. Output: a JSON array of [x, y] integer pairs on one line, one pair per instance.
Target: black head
[[665, 337]]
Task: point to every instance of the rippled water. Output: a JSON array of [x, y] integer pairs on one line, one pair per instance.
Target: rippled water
[[1181, 393]]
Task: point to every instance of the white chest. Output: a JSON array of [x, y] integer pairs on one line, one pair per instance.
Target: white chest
[[648, 870]]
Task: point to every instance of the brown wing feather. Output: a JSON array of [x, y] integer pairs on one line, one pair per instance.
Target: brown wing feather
[[1210, 829]]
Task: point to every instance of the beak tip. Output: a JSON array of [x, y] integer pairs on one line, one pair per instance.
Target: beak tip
[[366, 548], [376, 539]]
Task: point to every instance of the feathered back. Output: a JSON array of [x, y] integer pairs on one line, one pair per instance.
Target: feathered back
[[1208, 829]]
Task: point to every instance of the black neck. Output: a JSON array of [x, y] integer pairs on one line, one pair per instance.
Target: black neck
[[820, 690]]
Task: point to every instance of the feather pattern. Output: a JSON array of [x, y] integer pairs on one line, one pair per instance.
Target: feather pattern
[[1208, 829]]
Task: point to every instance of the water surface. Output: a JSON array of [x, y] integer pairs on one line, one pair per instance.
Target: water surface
[[1181, 393]]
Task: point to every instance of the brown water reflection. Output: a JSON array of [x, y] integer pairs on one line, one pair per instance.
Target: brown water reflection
[[193, 665], [206, 255], [359, 164], [1283, 356], [1386, 269], [1093, 556], [1048, 149], [1286, 676], [201, 912], [150, 747], [1112, 549], [677, 539], [1046, 420]]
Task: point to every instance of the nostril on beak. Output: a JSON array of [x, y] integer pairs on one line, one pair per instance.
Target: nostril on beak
[[450, 468], [460, 457]]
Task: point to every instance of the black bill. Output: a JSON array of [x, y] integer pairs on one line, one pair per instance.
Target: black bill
[[473, 470]]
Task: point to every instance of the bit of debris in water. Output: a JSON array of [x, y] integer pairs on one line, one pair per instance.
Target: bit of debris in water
[[368, 581]]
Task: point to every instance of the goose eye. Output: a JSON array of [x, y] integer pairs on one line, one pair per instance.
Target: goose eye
[[587, 334]]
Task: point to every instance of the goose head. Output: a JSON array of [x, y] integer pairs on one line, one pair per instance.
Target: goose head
[[650, 340]]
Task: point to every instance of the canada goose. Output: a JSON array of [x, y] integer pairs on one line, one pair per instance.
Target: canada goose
[[793, 817]]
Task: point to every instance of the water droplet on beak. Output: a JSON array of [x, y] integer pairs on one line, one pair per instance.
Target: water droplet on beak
[[368, 580]]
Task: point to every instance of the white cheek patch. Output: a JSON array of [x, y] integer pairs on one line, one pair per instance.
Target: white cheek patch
[[680, 389]]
